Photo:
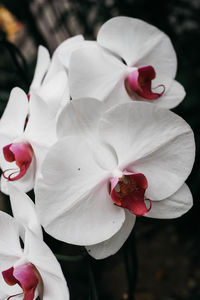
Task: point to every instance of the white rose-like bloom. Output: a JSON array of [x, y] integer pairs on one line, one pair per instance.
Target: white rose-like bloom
[[136, 156], [132, 60], [31, 271]]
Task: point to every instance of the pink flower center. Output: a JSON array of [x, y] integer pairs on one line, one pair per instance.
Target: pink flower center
[[139, 82], [26, 276], [22, 154], [128, 192]]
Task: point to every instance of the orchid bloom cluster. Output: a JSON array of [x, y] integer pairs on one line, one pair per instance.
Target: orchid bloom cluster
[[97, 142]]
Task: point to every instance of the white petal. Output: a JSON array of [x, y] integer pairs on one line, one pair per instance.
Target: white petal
[[153, 141], [93, 73], [139, 44], [172, 207], [42, 65], [61, 56], [23, 210], [167, 168], [39, 254], [54, 90], [79, 117], [3, 295], [40, 151], [55, 287], [65, 50], [118, 95], [173, 96], [112, 245], [5, 139], [41, 126], [73, 193], [12, 121], [9, 242]]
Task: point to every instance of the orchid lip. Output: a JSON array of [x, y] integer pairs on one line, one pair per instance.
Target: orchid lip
[[139, 82], [128, 192], [26, 276], [22, 154]]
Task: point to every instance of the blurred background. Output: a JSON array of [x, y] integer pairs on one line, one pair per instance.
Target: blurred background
[[164, 255]]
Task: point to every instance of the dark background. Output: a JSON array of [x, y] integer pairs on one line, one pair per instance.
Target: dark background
[[167, 251]]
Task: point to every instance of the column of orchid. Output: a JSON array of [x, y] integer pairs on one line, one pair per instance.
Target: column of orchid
[[97, 142]]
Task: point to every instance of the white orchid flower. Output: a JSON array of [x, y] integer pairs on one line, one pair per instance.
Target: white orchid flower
[[132, 60], [102, 173], [24, 146], [30, 271]]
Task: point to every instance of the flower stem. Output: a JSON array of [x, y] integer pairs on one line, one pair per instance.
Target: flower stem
[[131, 265], [93, 295], [70, 258]]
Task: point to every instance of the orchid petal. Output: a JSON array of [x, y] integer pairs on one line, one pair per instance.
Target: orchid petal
[[112, 245], [3, 295], [118, 95], [168, 167], [61, 56], [23, 210], [9, 242], [43, 60], [172, 97], [94, 72], [139, 44], [41, 125], [152, 141], [172, 207], [39, 254], [65, 53], [54, 90], [14, 116], [76, 194], [65, 50], [76, 118]]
